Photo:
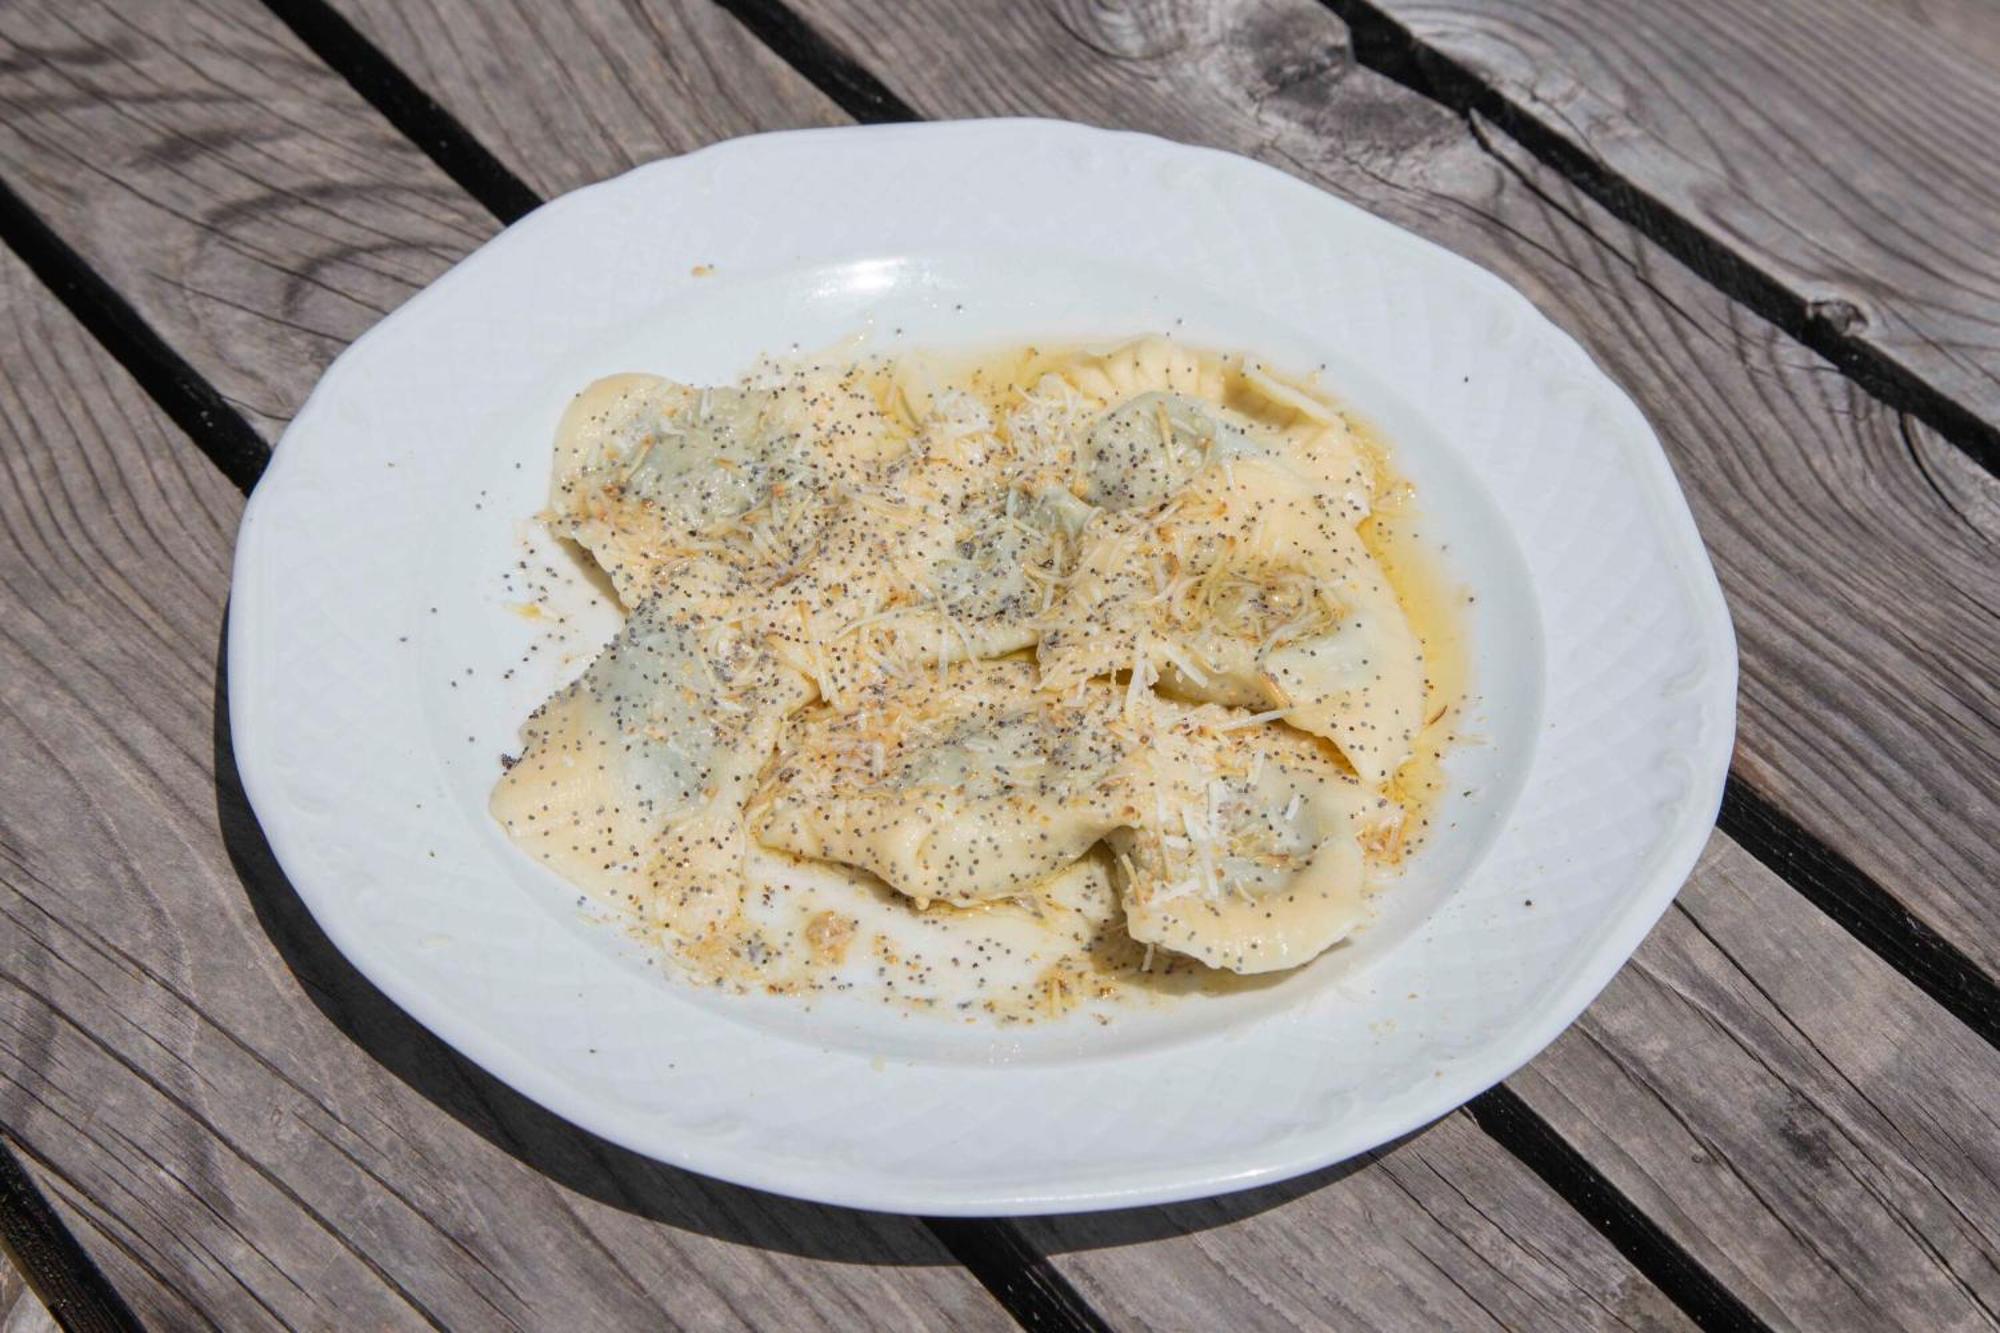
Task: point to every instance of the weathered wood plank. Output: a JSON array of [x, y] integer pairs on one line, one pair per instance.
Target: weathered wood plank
[[264, 263], [247, 199], [1841, 148], [250, 1133], [1751, 1063], [1311, 1253], [46, 1278], [1569, 1262], [1967, 27], [612, 85]]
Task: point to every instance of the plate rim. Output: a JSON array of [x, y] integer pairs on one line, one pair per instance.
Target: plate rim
[[1690, 828]]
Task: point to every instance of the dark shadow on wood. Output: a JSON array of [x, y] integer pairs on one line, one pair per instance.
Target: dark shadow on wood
[[845, 80], [1516, 1126], [581, 1161], [73, 1290], [216, 428], [408, 107]]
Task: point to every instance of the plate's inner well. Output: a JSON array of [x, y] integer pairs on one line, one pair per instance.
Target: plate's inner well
[[539, 611]]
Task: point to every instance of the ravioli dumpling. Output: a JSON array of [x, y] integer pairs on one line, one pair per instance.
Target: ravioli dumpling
[[645, 468], [960, 786], [1249, 591], [1141, 366], [1252, 858], [921, 570], [632, 781], [648, 471], [1143, 451], [1310, 435]]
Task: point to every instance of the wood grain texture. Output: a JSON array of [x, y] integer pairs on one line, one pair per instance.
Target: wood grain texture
[[1752, 1065], [612, 84], [246, 199], [1845, 148], [246, 1132], [187, 156], [1967, 27], [1331, 1250], [1864, 589], [68, 1286]]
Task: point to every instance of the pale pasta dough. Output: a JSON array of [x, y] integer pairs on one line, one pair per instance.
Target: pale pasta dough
[[963, 624]]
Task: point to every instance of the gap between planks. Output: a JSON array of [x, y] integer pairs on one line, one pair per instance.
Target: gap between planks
[[1383, 43]]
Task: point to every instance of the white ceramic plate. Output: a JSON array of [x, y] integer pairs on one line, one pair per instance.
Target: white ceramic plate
[[369, 633]]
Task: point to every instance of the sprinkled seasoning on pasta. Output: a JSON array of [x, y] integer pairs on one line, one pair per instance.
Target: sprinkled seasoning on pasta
[[1075, 666]]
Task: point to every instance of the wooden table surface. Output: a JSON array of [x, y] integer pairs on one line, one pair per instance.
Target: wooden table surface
[[1777, 224]]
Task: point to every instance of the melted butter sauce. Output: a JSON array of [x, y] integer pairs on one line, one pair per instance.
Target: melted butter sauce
[[1435, 608], [810, 929]]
